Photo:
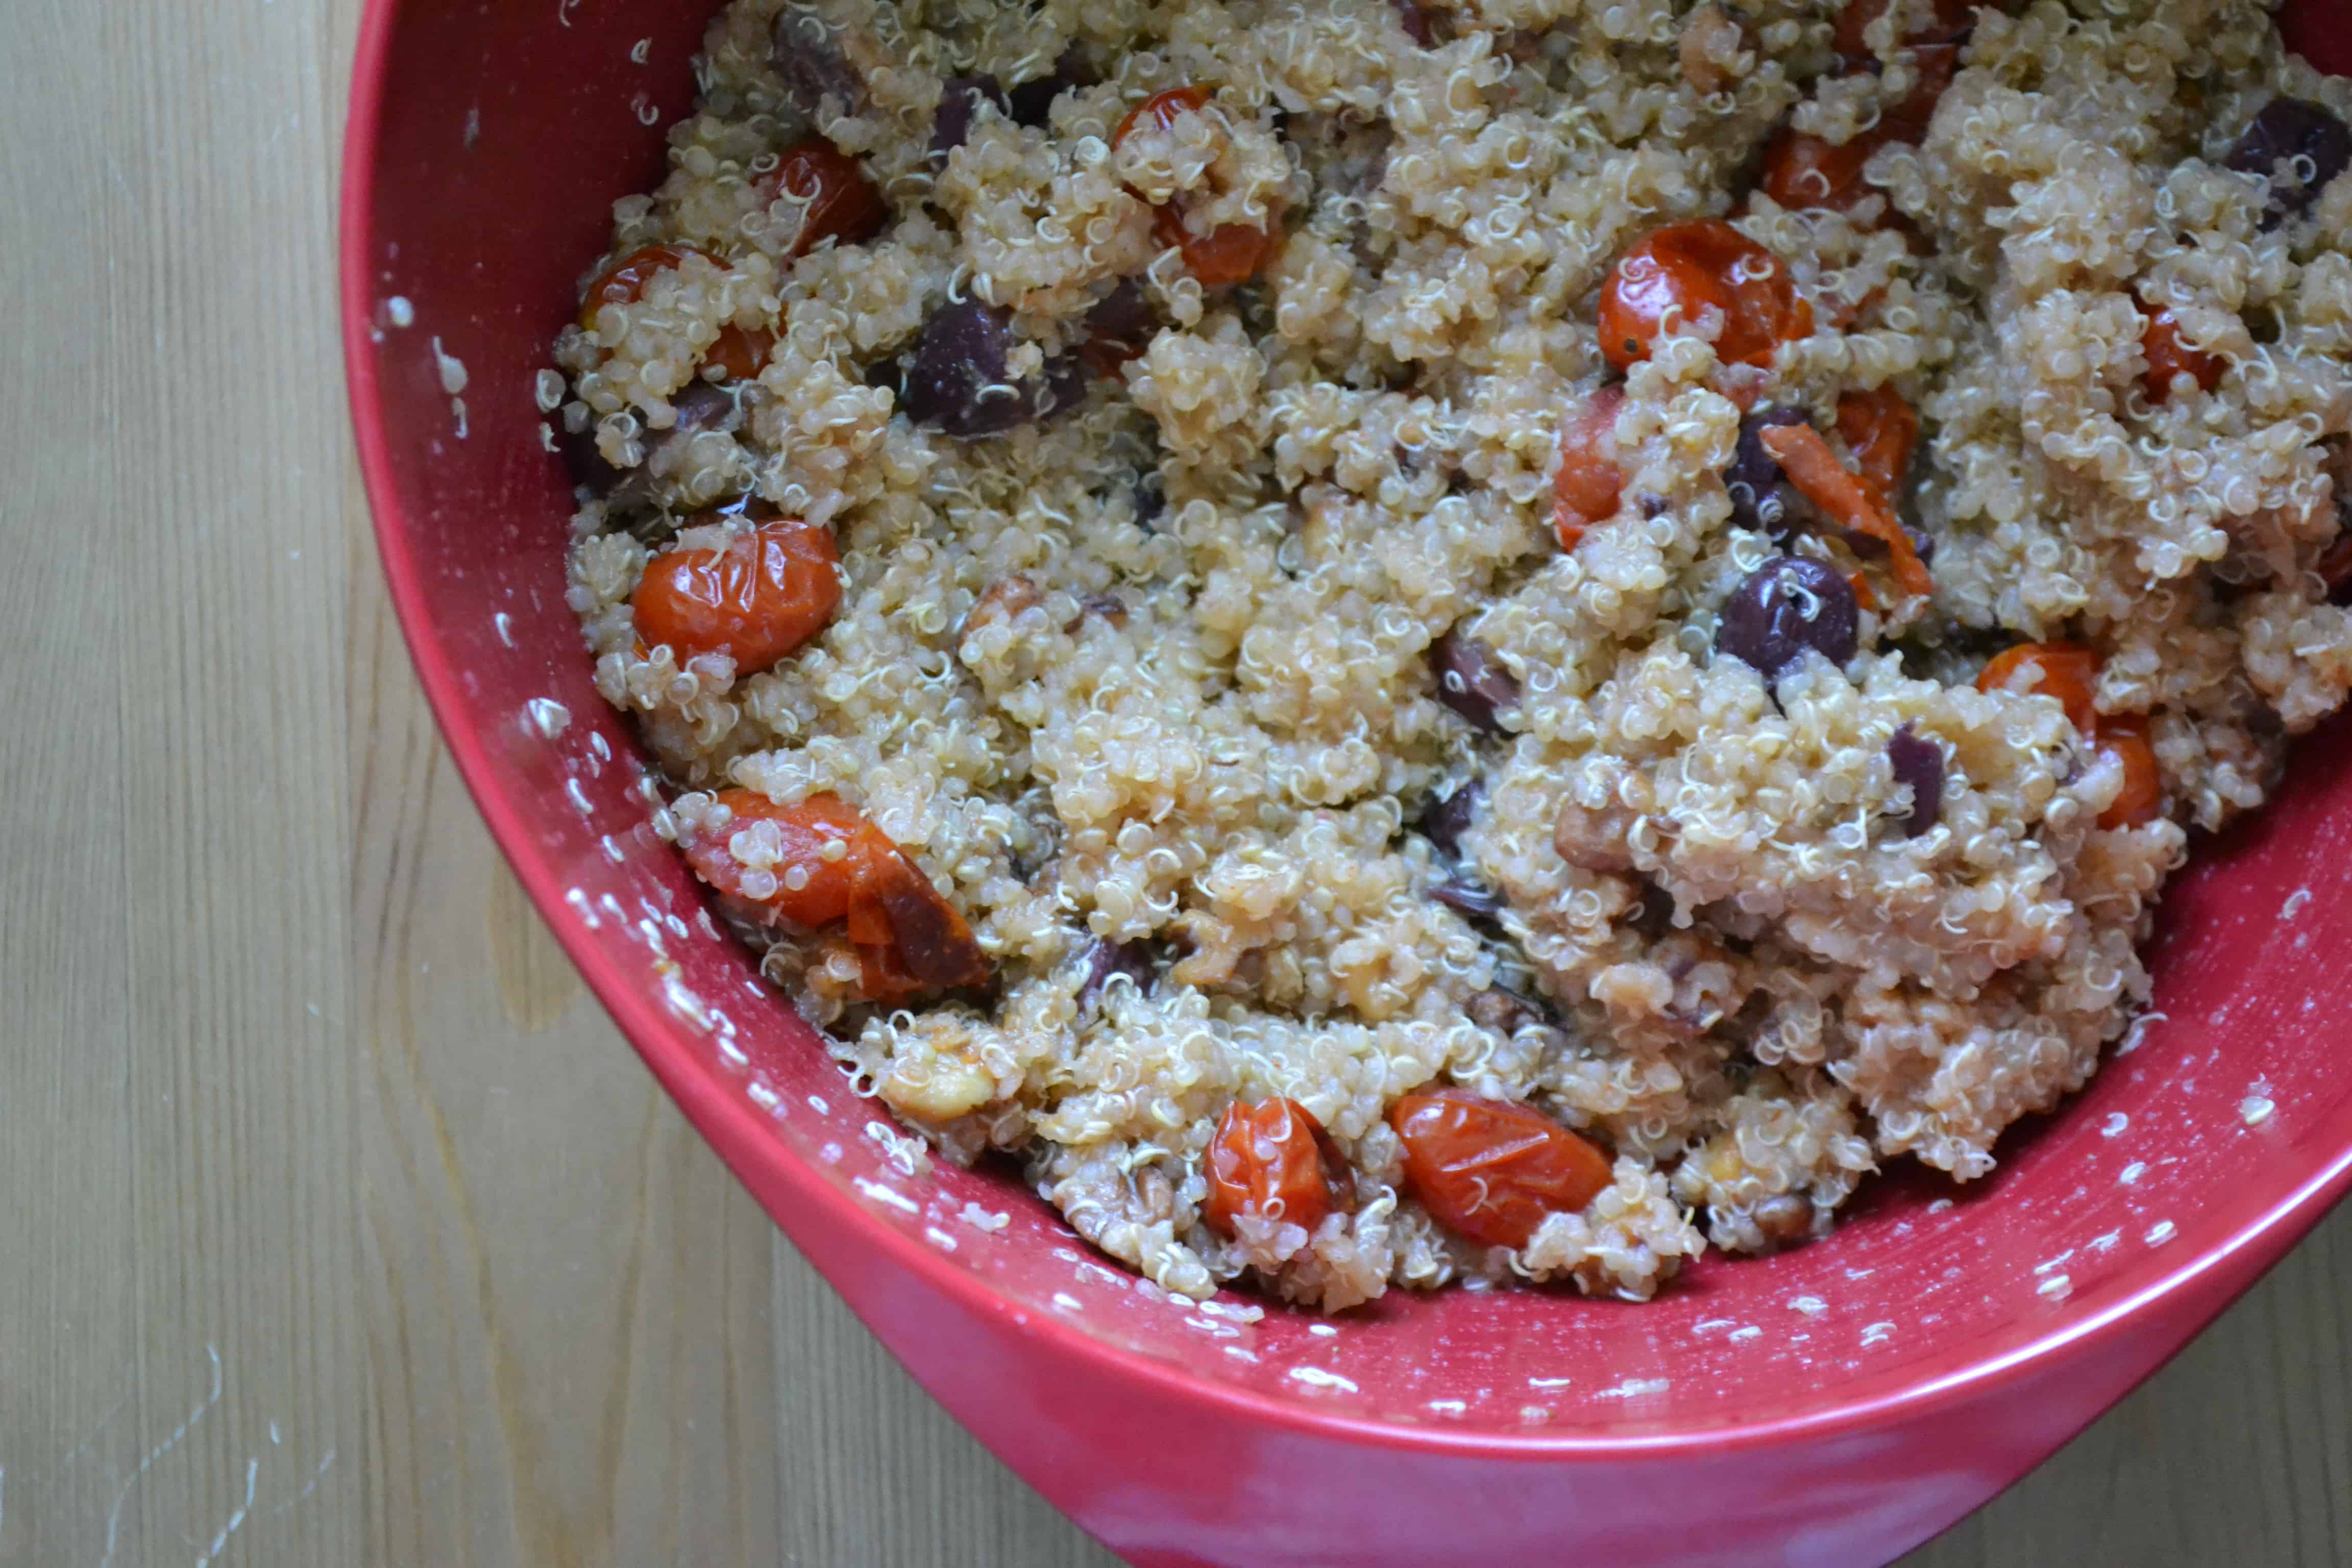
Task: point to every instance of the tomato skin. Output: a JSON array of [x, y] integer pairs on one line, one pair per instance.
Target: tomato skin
[[1881, 430], [909, 940], [1671, 274], [1272, 1160], [2066, 670], [844, 204], [623, 282], [805, 828], [2169, 355], [740, 353], [1162, 110], [771, 589], [2125, 736], [1803, 170], [1490, 1170], [1588, 484]]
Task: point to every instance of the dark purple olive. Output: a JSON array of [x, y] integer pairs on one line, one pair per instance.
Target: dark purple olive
[[700, 406], [1466, 897], [809, 57], [1119, 326], [1033, 101], [1445, 822], [1414, 21], [1783, 607], [1472, 681], [1919, 762], [587, 464], [1132, 959], [1151, 501], [960, 98], [2303, 131], [957, 379], [1761, 494]]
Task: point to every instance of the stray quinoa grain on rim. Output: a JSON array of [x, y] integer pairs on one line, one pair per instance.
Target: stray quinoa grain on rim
[[1409, 640]]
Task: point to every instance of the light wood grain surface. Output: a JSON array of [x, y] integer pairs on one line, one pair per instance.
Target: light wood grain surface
[[337, 1226]]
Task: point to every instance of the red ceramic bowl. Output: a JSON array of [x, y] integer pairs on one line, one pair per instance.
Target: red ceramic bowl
[[1835, 1405]]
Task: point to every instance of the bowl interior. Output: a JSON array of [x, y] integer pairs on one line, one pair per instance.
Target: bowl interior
[[2217, 1134]]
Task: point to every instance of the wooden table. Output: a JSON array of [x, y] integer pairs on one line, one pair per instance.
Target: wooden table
[[338, 1225]]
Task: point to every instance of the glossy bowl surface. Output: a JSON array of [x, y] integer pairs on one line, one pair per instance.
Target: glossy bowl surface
[[1834, 1405]]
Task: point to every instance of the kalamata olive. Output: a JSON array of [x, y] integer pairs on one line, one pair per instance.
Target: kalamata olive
[[587, 464], [1132, 959], [957, 379], [1465, 897], [1033, 101], [700, 406], [1414, 20], [809, 57], [1919, 762], [959, 100], [1505, 1012], [1118, 328], [1472, 681], [1151, 501], [1783, 607], [1760, 493], [1445, 821], [2296, 129]]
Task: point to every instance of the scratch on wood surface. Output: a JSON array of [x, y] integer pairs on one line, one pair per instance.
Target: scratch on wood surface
[[114, 1514], [252, 1468]]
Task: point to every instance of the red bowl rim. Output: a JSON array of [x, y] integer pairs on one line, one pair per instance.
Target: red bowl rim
[[733, 1124]]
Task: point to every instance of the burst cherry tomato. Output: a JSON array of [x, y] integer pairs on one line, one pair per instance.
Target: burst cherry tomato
[[909, 940], [771, 590], [1490, 1170], [739, 353], [1588, 483], [1803, 170], [2124, 736], [623, 282], [1674, 274], [843, 204], [2066, 670], [1847, 498], [2169, 355], [1229, 253], [1880, 429], [1274, 1159], [1162, 110]]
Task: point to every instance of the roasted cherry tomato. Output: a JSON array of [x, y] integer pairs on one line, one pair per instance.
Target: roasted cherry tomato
[[739, 353], [2066, 670], [2169, 355], [1881, 430], [1672, 275], [1490, 1170], [623, 282], [1230, 253], [1162, 110], [1803, 170], [1588, 483], [832, 864], [2124, 736], [771, 590], [1274, 1159], [843, 204], [1846, 499]]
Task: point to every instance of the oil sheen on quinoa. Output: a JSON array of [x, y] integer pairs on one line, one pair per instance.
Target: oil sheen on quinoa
[[1143, 681]]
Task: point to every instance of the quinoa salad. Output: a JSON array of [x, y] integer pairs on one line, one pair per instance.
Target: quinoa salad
[[1400, 642]]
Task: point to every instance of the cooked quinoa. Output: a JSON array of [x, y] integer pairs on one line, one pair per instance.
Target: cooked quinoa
[[1243, 692]]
